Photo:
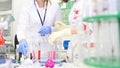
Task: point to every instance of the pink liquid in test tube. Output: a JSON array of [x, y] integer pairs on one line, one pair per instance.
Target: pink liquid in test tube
[[54, 55], [33, 54]]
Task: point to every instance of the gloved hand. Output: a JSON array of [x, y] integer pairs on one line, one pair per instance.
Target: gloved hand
[[65, 32], [59, 25], [58, 34], [23, 47], [45, 30]]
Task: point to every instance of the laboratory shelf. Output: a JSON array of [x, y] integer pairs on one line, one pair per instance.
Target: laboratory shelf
[[103, 62], [102, 16]]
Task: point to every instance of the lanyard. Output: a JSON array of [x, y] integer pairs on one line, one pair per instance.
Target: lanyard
[[42, 21]]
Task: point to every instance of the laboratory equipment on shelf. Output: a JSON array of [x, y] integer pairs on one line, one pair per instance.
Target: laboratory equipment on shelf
[[2, 41], [4, 22], [5, 62], [2, 58]]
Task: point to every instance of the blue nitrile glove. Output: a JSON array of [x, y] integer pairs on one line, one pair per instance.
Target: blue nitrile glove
[[23, 47], [45, 30]]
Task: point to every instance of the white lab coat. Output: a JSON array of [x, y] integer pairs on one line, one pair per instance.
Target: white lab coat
[[29, 23], [77, 6], [77, 13]]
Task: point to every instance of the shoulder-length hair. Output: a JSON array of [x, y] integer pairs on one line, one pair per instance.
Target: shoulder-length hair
[[46, 2]]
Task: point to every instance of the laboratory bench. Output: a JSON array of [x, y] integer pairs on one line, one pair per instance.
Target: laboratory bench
[[37, 64], [62, 64], [57, 65]]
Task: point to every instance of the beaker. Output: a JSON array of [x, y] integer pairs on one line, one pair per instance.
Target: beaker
[[45, 47]]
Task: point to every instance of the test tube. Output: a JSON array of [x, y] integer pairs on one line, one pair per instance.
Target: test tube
[[52, 55], [38, 54], [31, 56]]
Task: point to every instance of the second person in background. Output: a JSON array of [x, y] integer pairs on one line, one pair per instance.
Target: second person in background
[[80, 32]]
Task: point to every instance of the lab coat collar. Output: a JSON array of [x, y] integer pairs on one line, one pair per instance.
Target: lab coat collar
[[38, 6]]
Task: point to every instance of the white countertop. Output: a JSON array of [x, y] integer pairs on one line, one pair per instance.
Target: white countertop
[[64, 65], [6, 65]]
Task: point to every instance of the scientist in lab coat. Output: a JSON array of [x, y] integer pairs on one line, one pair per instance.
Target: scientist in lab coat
[[77, 26], [36, 21], [80, 31]]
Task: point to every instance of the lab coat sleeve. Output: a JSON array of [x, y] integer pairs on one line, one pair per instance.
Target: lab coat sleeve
[[71, 16], [58, 13], [59, 25], [58, 16], [22, 24]]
